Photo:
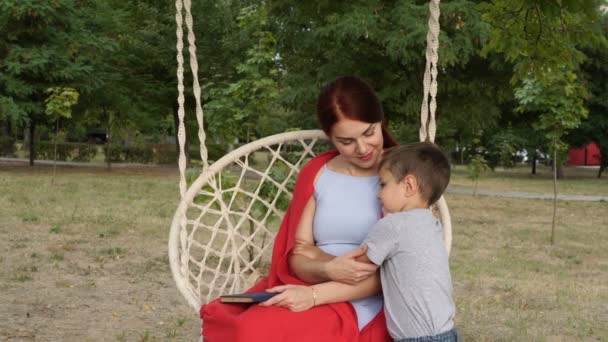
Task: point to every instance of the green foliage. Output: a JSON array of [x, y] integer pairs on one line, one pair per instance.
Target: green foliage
[[559, 99], [46, 150], [60, 101], [476, 168], [542, 35], [7, 146], [10, 111], [502, 147], [138, 153], [133, 153], [383, 42], [595, 126], [262, 64], [66, 151], [41, 47], [84, 153], [544, 41], [237, 109], [165, 154], [215, 151]]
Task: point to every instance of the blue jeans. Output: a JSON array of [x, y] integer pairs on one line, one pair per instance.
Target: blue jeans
[[448, 336]]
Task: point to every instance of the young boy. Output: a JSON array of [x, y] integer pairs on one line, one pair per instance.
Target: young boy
[[408, 244]]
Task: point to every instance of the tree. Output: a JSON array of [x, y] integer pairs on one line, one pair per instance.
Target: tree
[[59, 105], [239, 109], [384, 43], [595, 126], [544, 41], [38, 50], [558, 97], [476, 168]]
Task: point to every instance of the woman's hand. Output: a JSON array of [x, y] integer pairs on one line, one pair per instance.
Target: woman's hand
[[345, 269], [293, 297]]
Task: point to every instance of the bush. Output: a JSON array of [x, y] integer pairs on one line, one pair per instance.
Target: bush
[[114, 153], [7, 146], [84, 153], [215, 151], [138, 154], [65, 151], [165, 154], [46, 150]]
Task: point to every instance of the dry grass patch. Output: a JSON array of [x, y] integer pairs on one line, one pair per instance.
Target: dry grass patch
[[86, 259], [512, 285], [578, 181]]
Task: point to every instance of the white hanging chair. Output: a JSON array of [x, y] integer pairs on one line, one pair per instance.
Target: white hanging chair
[[224, 227]]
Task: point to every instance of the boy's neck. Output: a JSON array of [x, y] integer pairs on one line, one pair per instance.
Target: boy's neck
[[416, 203]]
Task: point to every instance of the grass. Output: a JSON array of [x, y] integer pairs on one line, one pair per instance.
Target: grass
[[90, 253], [578, 181]]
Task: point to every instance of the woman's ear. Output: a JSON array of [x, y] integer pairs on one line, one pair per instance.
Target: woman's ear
[[410, 184]]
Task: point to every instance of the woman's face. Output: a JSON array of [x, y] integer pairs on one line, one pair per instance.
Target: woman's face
[[360, 143]]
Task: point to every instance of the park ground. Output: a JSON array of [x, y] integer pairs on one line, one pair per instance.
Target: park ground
[[84, 257]]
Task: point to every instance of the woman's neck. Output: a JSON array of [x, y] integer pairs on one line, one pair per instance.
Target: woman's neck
[[340, 165]]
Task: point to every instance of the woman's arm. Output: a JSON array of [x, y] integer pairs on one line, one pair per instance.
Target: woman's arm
[[300, 298], [312, 265], [307, 261]]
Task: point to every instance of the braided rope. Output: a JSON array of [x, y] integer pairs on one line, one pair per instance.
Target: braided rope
[[181, 131], [427, 113], [428, 125], [196, 88]]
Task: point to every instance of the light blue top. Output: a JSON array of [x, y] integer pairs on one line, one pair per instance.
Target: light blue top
[[347, 208]]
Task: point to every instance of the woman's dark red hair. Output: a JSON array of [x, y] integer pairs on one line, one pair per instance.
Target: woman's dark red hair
[[350, 97]]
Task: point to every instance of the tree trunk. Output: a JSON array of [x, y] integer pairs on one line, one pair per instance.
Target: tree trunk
[[554, 193], [461, 150], [55, 152], [603, 159], [32, 150], [559, 167], [534, 164], [108, 139]]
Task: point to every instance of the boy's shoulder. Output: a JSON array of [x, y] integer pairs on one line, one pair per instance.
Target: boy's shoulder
[[416, 221], [404, 217]]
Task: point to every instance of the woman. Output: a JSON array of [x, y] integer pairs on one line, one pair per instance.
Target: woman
[[330, 296]]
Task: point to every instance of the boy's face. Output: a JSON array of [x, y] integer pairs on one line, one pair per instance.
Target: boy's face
[[393, 193]]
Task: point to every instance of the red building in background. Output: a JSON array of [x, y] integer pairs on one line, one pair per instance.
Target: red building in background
[[587, 155]]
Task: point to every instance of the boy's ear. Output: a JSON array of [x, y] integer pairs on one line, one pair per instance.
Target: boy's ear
[[410, 184]]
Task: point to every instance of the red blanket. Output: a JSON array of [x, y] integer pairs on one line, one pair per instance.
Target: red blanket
[[332, 323]]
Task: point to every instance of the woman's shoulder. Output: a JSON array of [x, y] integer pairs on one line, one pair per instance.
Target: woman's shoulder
[[313, 166]]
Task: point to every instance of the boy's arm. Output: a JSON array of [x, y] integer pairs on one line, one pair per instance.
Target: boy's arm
[[364, 258], [380, 243]]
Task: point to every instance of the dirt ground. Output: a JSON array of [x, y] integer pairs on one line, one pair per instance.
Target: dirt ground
[[86, 259]]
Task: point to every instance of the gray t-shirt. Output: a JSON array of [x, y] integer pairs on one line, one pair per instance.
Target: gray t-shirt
[[415, 273]]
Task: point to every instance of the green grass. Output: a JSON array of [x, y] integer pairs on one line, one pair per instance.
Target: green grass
[[107, 259]]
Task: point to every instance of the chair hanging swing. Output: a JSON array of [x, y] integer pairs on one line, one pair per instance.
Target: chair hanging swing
[[223, 229]]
